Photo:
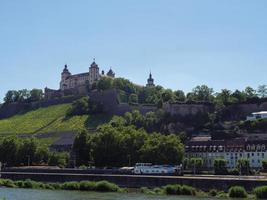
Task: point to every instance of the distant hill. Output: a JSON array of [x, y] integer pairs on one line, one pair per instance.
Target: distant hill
[[48, 120]]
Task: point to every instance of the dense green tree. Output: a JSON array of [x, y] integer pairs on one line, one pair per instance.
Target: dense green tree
[[220, 166], [58, 159], [240, 96], [262, 91], [250, 92], [201, 93], [41, 155], [81, 147], [264, 165], [168, 96], [133, 99], [36, 95], [179, 95], [243, 166], [196, 165], [9, 150], [104, 83], [27, 151], [107, 148], [79, 107], [162, 149]]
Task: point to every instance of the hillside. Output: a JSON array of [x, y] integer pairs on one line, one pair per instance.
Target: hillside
[[50, 119]]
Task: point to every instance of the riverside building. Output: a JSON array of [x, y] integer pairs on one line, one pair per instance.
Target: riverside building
[[251, 148]]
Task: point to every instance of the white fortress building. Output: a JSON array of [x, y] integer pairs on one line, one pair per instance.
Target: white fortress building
[[77, 84]]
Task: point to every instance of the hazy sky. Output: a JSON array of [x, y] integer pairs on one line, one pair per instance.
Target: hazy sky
[[221, 43]]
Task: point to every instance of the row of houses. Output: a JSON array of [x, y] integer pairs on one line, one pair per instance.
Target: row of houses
[[253, 148]]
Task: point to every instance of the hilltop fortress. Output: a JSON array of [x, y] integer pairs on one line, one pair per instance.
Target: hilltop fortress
[[81, 84], [77, 84]]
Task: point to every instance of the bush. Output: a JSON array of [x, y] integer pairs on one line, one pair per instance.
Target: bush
[[261, 192], [179, 190], [188, 190], [173, 189], [233, 172], [105, 186], [237, 192], [71, 186], [213, 192], [87, 186]]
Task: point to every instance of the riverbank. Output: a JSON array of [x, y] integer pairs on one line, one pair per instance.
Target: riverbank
[[105, 186]]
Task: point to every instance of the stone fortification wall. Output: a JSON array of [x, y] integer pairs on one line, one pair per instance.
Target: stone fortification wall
[[187, 109], [240, 111]]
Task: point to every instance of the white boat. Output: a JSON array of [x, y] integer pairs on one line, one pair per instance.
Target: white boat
[[148, 168]]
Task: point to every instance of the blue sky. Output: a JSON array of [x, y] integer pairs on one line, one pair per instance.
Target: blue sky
[[221, 43]]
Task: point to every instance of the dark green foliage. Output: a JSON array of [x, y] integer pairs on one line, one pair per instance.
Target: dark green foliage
[[105, 186], [196, 165], [23, 96], [79, 107], [261, 192], [104, 83], [256, 125], [82, 148], [180, 190], [213, 192], [116, 144], [237, 192], [58, 159], [220, 166], [71, 186], [243, 166], [87, 186], [264, 165], [234, 172], [16, 151]]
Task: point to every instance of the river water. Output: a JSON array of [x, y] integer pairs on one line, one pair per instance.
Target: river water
[[28, 194]]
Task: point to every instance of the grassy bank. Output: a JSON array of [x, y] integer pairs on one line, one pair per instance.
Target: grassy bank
[[105, 186], [101, 186]]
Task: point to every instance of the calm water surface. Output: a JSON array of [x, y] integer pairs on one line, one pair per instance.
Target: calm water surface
[[27, 194]]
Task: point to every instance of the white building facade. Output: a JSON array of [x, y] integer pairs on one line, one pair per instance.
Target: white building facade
[[230, 150]]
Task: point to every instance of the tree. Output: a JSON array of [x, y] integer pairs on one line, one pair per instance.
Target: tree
[[9, 97], [240, 96], [196, 165], [41, 155], [220, 166], [36, 94], [250, 92], [167, 95], [104, 83], [243, 166], [264, 165], [79, 107], [262, 91], [58, 159], [202, 93], [179, 95], [9, 150], [27, 151], [133, 99], [82, 149], [161, 149]]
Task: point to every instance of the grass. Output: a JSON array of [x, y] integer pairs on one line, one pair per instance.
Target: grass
[[49, 120]]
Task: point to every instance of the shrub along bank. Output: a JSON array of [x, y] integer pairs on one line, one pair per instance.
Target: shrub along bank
[[105, 186]]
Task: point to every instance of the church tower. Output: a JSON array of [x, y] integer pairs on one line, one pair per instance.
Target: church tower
[[150, 81], [93, 73]]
